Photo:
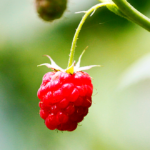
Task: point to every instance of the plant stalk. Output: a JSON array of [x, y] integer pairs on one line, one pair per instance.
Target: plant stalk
[[87, 13], [132, 14]]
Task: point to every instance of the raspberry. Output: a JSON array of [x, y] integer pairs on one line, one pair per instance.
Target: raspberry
[[65, 96], [64, 99]]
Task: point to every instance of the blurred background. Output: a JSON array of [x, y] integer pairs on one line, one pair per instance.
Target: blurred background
[[119, 118]]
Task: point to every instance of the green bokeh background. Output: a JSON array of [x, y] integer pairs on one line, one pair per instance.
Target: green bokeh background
[[119, 118]]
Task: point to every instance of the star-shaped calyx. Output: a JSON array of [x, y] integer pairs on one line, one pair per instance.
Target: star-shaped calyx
[[72, 69]]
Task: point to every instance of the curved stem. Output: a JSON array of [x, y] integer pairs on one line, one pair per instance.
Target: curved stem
[[132, 14], [128, 11], [87, 13]]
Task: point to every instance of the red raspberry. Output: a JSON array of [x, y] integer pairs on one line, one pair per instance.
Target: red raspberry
[[64, 99]]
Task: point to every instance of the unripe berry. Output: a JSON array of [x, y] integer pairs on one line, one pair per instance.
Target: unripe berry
[[50, 10]]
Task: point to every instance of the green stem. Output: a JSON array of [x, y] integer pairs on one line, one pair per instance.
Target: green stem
[[87, 13], [133, 14], [122, 8]]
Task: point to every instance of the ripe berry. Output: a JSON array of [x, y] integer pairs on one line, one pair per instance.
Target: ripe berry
[[64, 100], [65, 96]]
